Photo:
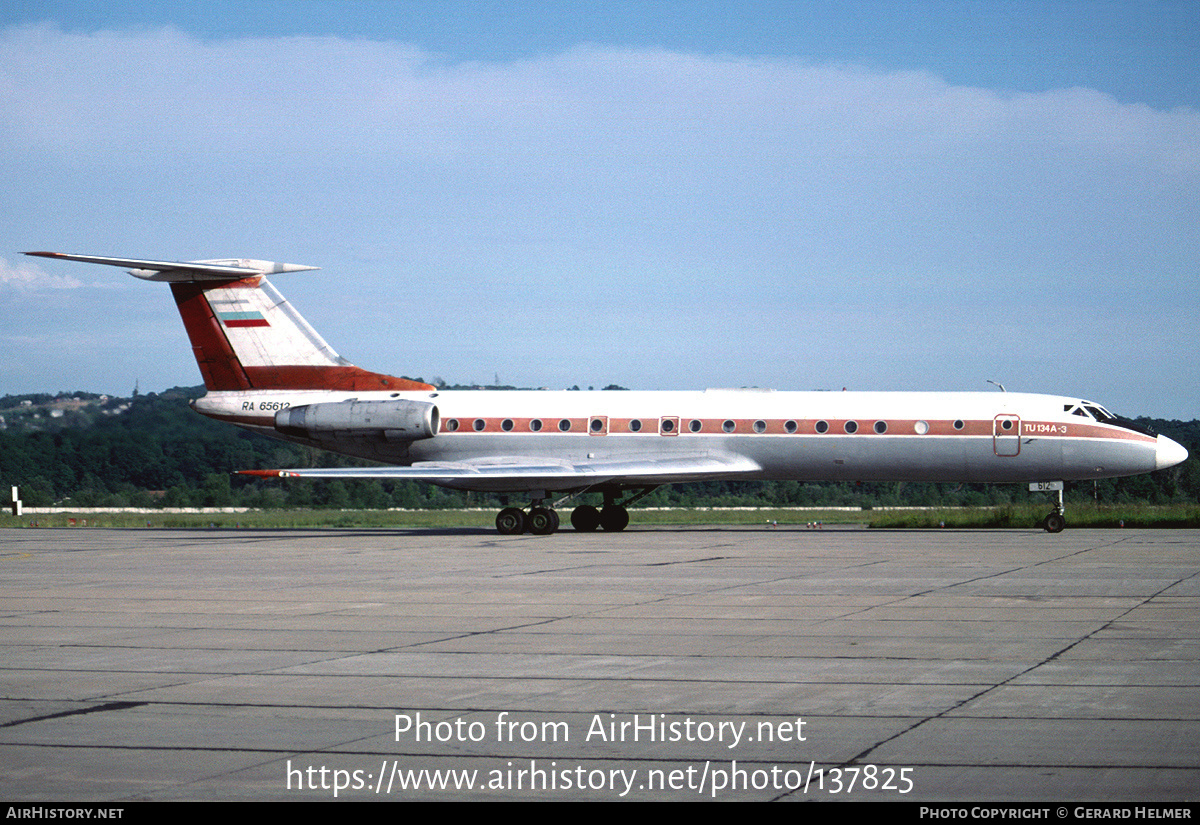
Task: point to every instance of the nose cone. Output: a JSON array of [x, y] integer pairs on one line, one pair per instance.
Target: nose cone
[[1168, 453]]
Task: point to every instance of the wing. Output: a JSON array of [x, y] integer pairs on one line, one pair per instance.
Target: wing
[[517, 473]]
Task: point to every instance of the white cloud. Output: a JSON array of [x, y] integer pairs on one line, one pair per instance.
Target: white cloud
[[26, 276], [607, 194], [166, 92]]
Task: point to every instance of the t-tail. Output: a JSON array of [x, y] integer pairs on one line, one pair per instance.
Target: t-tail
[[244, 334]]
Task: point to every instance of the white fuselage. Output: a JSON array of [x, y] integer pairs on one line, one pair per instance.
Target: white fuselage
[[847, 436]]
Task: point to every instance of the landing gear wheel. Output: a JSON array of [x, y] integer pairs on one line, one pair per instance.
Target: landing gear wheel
[[542, 521], [510, 521], [614, 518], [585, 518], [1054, 523]]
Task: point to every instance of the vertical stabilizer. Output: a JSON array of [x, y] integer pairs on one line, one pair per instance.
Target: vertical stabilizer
[[244, 334], [247, 336]]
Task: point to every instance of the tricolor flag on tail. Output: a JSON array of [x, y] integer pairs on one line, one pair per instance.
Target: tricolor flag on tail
[[243, 319]]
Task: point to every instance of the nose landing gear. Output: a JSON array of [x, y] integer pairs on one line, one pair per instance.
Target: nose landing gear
[[1054, 523], [1057, 520]]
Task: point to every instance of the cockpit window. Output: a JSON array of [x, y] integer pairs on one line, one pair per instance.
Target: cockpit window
[[1090, 409]]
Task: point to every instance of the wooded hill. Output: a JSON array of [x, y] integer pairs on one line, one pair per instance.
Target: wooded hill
[[89, 450]]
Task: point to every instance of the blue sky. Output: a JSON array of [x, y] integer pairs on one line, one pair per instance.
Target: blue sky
[[665, 195]]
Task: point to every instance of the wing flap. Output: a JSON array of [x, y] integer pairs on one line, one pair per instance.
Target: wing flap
[[530, 473]]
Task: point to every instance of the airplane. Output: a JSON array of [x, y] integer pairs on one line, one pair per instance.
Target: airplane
[[266, 369]]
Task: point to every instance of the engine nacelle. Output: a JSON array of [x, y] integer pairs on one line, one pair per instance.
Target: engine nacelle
[[389, 420]]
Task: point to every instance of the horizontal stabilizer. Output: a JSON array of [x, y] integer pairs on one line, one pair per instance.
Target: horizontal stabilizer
[[184, 271]]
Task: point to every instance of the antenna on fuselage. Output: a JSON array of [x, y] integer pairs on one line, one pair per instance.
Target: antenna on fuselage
[[1001, 386]]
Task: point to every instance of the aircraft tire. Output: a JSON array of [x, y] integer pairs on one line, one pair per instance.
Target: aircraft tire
[[614, 518], [542, 521], [1054, 523], [585, 518], [511, 521]]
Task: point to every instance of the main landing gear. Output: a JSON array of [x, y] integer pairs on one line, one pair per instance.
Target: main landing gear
[[513, 521], [542, 520], [613, 518]]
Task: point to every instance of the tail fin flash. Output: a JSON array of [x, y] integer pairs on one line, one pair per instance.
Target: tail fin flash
[[244, 334]]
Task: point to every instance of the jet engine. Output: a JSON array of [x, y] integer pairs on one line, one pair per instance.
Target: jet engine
[[389, 420]]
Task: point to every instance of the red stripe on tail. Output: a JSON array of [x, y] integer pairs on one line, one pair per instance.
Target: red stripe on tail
[[220, 367]]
